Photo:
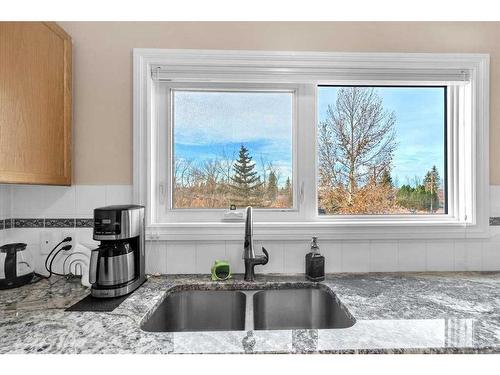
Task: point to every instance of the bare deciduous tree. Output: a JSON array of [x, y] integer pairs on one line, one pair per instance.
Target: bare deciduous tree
[[182, 171], [226, 164], [211, 179], [359, 136], [326, 156]]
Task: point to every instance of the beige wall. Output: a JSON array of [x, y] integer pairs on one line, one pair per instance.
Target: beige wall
[[103, 70]]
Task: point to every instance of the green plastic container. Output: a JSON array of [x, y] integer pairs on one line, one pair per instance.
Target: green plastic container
[[221, 270]]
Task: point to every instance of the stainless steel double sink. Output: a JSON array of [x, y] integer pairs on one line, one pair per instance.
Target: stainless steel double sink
[[235, 310]]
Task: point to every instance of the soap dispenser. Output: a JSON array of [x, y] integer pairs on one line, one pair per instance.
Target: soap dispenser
[[315, 263]]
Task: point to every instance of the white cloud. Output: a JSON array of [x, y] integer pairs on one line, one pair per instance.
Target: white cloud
[[202, 118]]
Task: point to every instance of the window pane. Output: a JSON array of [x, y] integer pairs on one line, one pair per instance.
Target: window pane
[[381, 150], [232, 147]]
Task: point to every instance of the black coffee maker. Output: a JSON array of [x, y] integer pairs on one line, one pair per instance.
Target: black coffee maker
[[117, 266]]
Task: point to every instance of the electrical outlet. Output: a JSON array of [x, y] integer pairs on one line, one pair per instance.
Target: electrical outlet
[[68, 233], [47, 242]]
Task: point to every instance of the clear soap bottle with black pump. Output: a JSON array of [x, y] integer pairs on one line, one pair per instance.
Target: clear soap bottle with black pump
[[315, 263]]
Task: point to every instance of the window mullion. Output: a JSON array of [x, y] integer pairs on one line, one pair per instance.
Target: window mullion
[[162, 150], [455, 175], [306, 150]]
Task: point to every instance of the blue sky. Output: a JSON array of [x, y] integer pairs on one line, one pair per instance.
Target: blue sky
[[205, 123], [419, 127]]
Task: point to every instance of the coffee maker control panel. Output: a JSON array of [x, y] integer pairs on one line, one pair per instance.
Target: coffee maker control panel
[[107, 223], [118, 222]]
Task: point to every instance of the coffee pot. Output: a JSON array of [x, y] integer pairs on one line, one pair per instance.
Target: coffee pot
[[16, 267]]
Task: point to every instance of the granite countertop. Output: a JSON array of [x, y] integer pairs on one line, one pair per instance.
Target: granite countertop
[[395, 313]]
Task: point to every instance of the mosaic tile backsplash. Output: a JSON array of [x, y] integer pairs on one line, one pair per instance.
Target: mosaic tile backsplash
[[46, 223]]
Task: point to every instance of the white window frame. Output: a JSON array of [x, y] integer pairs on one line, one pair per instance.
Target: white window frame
[[165, 212], [467, 147]]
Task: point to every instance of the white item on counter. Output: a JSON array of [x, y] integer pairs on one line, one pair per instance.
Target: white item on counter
[[77, 263]]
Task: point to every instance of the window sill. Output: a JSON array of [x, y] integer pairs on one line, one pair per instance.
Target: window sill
[[217, 231]]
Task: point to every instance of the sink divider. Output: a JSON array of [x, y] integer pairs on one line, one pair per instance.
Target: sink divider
[[249, 323]]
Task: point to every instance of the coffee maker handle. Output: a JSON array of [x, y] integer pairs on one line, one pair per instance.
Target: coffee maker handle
[[94, 256]]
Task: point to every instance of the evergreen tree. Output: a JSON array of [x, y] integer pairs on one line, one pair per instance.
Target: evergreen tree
[[417, 198], [246, 181], [431, 180], [403, 196], [431, 183], [288, 186], [272, 186], [287, 191]]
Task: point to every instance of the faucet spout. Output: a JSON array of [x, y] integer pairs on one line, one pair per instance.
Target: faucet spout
[[251, 260], [249, 252]]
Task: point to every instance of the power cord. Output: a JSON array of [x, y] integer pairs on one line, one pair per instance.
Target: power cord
[[66, 248]]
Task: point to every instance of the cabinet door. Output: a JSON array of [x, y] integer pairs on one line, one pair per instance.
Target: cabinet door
[[35, 103]]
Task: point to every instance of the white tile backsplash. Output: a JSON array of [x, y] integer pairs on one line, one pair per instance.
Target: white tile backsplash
[[5, 201], [468, 255], [28, 201], [275, 250], [411, 255], [37, 262], [59, 201], [355, 256], [491, 251], [332, 250], [43, 201], [207, 253], [294, 253], [491, 256], [24, 201], [89, 197], [156, 257], [118, 194], [440, 255], [181, 257], [31, 235], [234, 255], [84, 236], [384, 256]]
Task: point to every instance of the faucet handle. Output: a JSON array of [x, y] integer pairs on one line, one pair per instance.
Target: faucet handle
[[266, 255]]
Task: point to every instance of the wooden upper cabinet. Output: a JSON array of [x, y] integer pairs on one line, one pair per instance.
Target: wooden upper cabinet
[[35, 103]]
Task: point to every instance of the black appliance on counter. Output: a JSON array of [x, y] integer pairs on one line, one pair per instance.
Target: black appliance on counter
[[15, 266], [117, 266]]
